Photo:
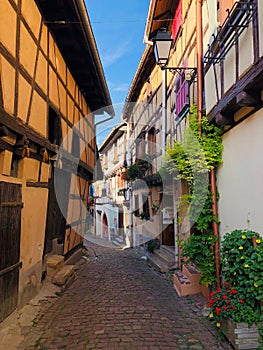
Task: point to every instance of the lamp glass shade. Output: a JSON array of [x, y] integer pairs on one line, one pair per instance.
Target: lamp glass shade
[[162, 46]]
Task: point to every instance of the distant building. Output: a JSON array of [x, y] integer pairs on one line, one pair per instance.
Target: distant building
[[112, 195]]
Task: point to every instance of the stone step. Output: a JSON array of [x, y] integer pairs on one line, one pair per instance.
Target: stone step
[[63, 275], [165, 256], [183, 285], [153, 260], [191, 273], [54, 264], [118, 241], [170, 249]]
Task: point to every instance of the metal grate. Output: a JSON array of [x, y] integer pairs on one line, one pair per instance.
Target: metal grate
[[237, 20]]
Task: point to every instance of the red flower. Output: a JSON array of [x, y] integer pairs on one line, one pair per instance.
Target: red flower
[[224, 297], [211, 294], [233, 291], [224, 307], [218, 291], [241, 301], [218, 310]]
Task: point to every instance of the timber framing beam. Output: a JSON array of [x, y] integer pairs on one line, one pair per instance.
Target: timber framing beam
[[240, 95]]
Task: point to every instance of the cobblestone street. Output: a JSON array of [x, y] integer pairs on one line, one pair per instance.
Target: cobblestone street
[[118, 302]]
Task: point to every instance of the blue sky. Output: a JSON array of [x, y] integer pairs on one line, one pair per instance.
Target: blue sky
[[118, 27]]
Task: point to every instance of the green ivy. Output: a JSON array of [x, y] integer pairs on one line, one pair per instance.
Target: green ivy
[[199, 152], [191, 160]]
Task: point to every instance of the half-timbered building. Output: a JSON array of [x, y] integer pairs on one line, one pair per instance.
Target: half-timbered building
[[233, 63], [51, 84]]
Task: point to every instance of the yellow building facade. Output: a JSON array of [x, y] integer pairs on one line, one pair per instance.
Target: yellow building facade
[[51, 82]]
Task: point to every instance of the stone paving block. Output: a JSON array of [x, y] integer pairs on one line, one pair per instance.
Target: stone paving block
[[118, 302]]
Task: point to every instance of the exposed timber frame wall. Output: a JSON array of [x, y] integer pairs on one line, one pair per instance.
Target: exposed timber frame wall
[[234, 101], [35, 79]]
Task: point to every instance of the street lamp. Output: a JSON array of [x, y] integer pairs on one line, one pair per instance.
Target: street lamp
[[162, 46]]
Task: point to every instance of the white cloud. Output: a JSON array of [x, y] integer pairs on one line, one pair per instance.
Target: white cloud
[[114, 54], [121, 87]]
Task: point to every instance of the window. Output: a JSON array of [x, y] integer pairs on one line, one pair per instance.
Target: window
[[181, 94], [222, 7], [136, 205], [54, 127], [151, 141], [145, 205], [140, 147], [75, 144]]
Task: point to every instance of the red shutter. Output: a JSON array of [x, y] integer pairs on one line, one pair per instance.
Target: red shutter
[[177, 21]]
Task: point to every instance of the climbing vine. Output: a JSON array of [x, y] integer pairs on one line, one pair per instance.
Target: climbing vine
[[191, 160]]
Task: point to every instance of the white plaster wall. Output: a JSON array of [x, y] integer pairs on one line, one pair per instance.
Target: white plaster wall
[[230, 69], [240, 177], [246, 54], [210, 87], [209, 21]]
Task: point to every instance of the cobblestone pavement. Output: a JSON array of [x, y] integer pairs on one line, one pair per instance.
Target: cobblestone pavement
[[118, 302]]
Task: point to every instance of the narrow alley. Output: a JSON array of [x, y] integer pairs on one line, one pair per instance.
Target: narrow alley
[[118, 302]]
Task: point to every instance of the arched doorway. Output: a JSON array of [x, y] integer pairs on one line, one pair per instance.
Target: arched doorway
[[104, 226]]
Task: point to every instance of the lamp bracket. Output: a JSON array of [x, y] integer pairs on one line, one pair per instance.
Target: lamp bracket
[[189, 72]]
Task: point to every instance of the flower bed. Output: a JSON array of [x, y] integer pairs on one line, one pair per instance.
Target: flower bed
[[236, 306]]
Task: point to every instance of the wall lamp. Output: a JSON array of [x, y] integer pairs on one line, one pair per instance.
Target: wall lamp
[[162, 46]]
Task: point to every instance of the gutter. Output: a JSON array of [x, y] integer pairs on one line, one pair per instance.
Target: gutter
[[149, 20]]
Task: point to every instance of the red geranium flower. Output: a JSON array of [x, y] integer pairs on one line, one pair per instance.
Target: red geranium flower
[[218, 310], [233, 291]]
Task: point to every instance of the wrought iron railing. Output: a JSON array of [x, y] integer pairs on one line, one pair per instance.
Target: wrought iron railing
[[237, 21]]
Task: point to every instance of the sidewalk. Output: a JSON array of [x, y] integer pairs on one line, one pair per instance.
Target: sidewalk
[[118, 302]]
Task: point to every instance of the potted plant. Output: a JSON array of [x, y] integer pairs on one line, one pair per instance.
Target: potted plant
[[236, 306], [142, 215], [155, 208]]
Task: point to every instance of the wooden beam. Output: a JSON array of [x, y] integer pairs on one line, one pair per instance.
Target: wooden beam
[[245, 99], [253, 76], [20, 128], [221, 119]]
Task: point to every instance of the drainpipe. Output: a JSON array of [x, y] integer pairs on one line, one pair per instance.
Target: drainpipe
[[129, 155], [199, 56], [215, 225], [164, 108], [199, 59]]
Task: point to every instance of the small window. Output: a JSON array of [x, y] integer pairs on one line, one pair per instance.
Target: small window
[[54, 127], [75, 144], [145, 205], [182, 94], [136, 205], [151, 141]]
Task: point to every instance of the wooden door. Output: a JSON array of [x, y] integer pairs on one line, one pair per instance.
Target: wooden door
[[10, 229], [56, 223]]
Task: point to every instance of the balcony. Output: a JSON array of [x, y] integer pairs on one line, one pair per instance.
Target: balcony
[[237, 21]]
